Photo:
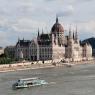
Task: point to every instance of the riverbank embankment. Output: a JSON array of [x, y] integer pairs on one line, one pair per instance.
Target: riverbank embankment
[[36, 65], [24, 66]]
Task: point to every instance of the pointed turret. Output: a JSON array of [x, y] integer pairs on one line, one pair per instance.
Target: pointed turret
[[76, 34], [38, 32], [73, 35], [70, 32]]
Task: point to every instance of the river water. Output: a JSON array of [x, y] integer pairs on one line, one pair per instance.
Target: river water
[[77, 80]]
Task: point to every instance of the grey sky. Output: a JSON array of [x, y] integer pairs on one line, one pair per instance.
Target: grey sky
[[22, 18]]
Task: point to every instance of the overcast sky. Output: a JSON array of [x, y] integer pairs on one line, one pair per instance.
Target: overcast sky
[[22, 18]]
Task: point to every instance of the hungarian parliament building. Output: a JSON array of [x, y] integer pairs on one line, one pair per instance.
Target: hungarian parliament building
[[51, 46]]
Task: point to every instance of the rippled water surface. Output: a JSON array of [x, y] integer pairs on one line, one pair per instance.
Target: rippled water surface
[[77, 80]]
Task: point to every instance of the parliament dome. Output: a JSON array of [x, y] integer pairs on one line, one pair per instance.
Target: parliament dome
[[57, 27]]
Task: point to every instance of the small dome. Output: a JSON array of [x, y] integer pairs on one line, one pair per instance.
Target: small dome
[[57, 27]]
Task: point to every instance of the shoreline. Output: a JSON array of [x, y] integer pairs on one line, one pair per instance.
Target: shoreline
[[28, 66]]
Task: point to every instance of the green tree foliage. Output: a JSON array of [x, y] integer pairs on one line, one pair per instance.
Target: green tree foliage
[[4, 60], [3, 55]]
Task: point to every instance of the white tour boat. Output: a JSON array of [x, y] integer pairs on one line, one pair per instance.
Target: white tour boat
[[28, 82]]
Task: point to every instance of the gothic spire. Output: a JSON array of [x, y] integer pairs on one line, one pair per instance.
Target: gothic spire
[[42, 31], [38, 32], [76, 35], [23, 38], [70, 31], [18, 39], [73, 35]]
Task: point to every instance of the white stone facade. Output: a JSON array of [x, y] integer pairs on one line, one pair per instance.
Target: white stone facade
[[74, 51]]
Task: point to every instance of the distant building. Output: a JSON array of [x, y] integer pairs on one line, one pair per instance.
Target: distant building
[[10, 51], [1, 50], [54, 46]]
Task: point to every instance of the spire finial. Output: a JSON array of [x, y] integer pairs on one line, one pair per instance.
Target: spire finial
[[56, 18]]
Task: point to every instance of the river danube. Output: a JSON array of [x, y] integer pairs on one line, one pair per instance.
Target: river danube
[[77, 80]]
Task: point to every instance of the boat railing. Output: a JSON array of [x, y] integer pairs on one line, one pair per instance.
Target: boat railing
[[26, 79]]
